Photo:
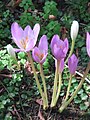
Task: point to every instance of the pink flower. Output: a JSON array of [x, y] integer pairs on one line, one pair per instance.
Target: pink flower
[[59, 48], [40, 53], [25, 39], [72, 64]]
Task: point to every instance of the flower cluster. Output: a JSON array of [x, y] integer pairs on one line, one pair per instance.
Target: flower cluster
[[26, 40]]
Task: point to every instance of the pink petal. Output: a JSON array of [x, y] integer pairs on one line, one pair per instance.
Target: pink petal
[[54, 41], [17, 34], [61, 65], [43, 44], [72, 64], [44, 58], [88, 43], [34, 54], [36, 30], [66, 45], [27, 31]]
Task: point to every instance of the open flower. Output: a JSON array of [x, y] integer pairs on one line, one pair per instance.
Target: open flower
[[59, 48], [88, 43], [40, 53], [74, 29], [25, 39], [72, 64]]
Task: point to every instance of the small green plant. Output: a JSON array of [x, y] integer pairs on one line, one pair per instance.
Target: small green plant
[[27, 4], [50, 9], [53, 27]]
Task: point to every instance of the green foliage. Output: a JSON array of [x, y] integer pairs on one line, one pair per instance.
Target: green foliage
[[27, 4], [19, 87], [82, 99], [11, 86], [4, 61], [50, 9], [79, 6], [5, 19], [26, 19], [52, 28]]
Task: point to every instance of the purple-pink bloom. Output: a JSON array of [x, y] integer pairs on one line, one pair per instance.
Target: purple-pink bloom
[[72, 64], [88, 43], [59, 48], [61, 65], [25, 39], [40, 53]]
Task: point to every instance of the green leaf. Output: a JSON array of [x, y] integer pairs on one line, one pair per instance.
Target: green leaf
[[71, 89], [84, 96], [80, 91], [22, 61], [66, 82], [62, 94], [4, 102], [74, 80], [1, 105], [75, 85], [83, 106], [21, 55], [77, 100]]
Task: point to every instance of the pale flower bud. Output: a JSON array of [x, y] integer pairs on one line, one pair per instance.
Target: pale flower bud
[[74, 29], [11, 51]]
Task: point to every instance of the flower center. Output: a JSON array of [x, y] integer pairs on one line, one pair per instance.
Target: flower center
[[24, 42], [41, 55]]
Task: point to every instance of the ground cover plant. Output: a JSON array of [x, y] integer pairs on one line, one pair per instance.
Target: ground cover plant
[[51, 54]]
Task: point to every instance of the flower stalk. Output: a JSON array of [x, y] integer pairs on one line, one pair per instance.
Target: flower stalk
[[71, 50], [65, 104], [37, 81], [59, 88], [68, 89], [55, 85], [44, 85]]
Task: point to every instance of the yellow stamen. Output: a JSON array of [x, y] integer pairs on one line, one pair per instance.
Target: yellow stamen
[[24, 42]]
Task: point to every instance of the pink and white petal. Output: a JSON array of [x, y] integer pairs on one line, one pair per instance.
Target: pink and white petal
[[43, 59], [61, 65], [17, 31], [58, 53], [17, 34], [35, 54], [88, 43], [30, 45], [19, 50], [66, 45], [27, 31], [36, 30], [54, 41], [43, 44]]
